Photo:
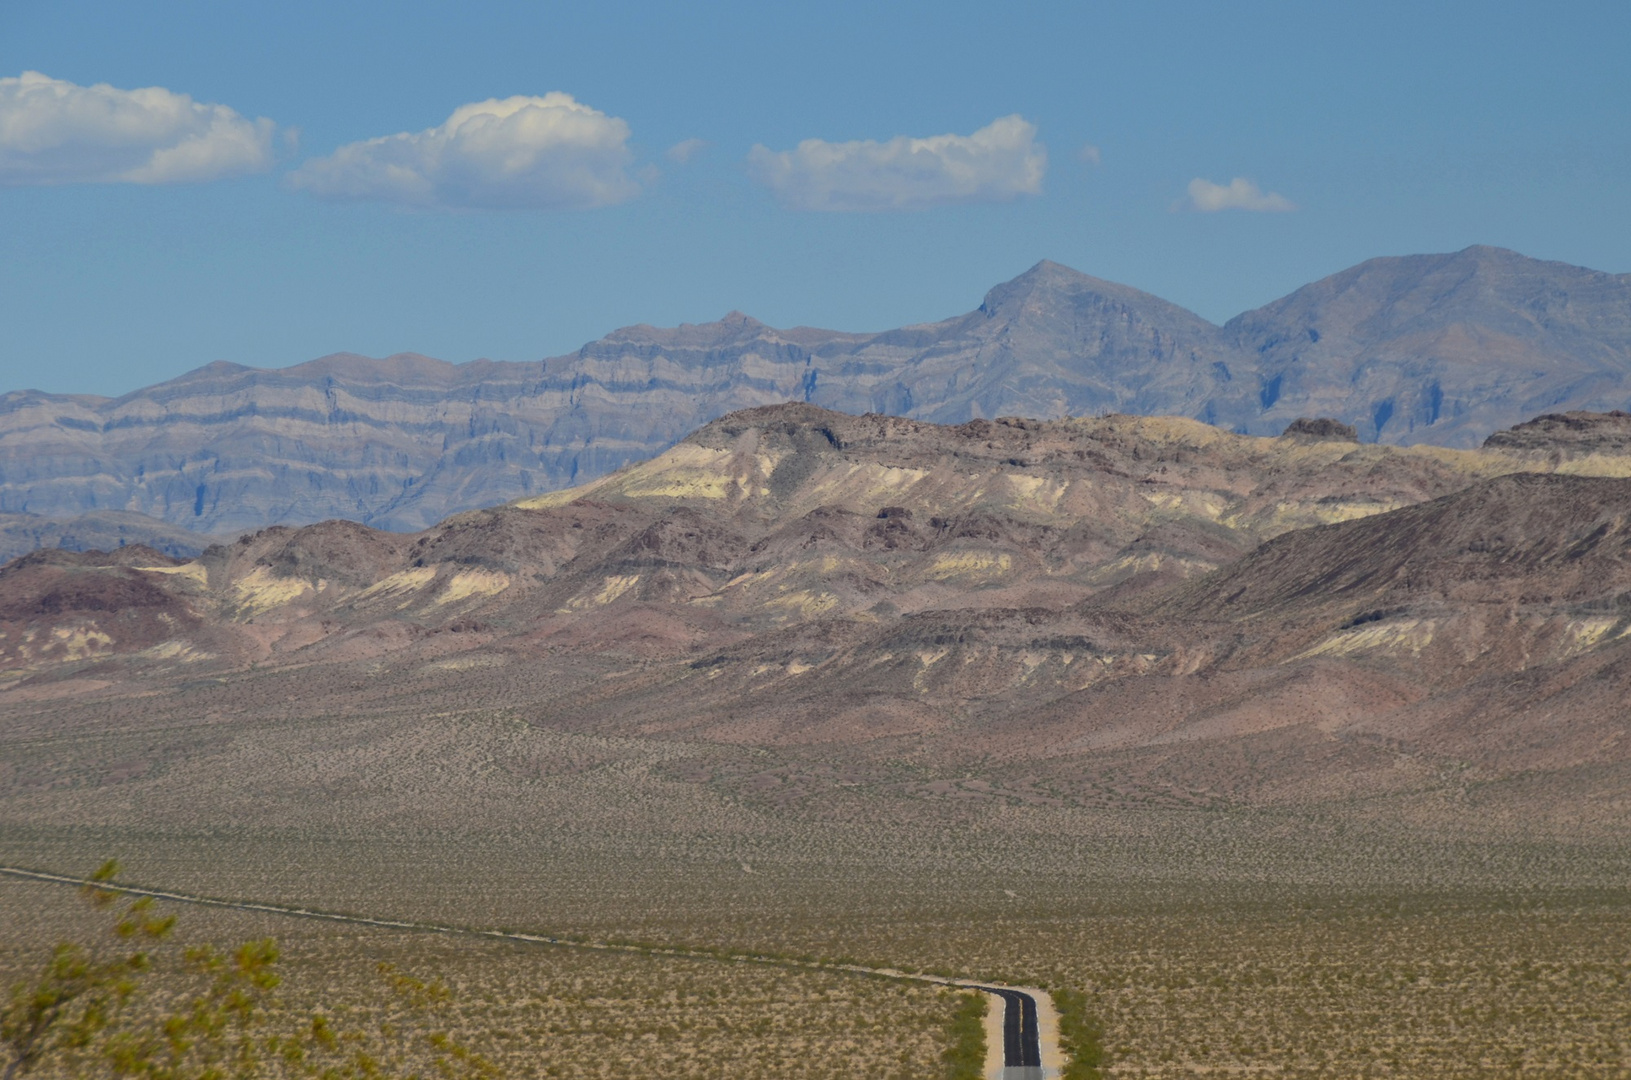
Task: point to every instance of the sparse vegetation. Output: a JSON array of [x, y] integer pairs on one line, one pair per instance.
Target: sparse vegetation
[[1454, 982], [489, 1010], [965, 1039], [1257, 878], [80, 991], [1081, 1036], [127, 1006]]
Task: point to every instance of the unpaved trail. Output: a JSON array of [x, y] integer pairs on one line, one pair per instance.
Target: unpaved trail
[[1022, 1030]]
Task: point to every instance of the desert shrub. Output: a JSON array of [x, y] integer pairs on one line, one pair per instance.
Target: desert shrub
[[964, 1055], [1081, 1036], [128, 1006]]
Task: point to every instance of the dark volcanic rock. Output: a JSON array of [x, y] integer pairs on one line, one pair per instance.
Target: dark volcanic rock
[[59, 605], [1323, 429], [1571, 434], [1527, 538]]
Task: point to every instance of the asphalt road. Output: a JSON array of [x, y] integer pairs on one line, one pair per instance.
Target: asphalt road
[[1021, 1038]]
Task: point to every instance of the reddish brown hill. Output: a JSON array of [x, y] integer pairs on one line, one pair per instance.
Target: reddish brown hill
[[1523, 539], [1053, 600], [59, 607]]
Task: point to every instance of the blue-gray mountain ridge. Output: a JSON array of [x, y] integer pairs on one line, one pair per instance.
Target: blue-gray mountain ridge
[[1439, 349]]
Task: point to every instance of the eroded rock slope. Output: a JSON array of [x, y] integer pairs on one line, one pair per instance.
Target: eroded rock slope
[[1085, 607]]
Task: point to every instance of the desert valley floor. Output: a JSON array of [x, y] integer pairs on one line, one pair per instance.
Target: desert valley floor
[[1296, 756]]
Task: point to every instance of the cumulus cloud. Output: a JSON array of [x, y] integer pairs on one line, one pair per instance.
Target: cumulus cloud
[[682, 152], [546, 153], [1238, 194], [56, 132], [997, 163]]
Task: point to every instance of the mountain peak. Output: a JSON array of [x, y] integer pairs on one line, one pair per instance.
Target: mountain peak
[[1435, 348], [1490, 251], [1471, 259], [1048, 274], [732, 326], [1441, 348], [1047, 269], [1051, 284]]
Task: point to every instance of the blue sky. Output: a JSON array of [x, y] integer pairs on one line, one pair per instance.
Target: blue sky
[[1109, 137]]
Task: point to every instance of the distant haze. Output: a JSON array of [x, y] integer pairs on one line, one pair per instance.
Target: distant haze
[[1438, 349]]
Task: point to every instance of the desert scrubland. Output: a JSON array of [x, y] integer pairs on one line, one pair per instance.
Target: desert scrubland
[[1269, 940], [1294, 756]]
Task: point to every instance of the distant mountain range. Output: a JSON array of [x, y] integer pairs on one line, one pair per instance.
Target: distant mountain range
[[1438, 349], [98, 530]]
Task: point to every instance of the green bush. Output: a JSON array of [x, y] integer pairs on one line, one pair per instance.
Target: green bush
[[131, 1006], [965, 1039], [1081, 1036]]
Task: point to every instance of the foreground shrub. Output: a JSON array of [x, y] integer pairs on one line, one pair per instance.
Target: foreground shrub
[[965, 1039], [133, 1005], [1080, 1035]]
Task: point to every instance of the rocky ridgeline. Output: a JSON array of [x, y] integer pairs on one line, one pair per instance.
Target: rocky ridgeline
[[1026, 590], [1439, 349], [1573, 434]]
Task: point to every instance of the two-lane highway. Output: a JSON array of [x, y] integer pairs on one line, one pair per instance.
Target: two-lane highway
[[1021, 1034]]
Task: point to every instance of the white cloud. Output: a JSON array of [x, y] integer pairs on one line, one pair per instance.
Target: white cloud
[[548, 153], [999, 162], [1238, 194], [682, 152], [1090, 155], [56, 132]]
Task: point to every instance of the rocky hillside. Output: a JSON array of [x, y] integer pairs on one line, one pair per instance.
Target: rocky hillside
[[1037, 593], [1568, 435], [1425, 349]]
